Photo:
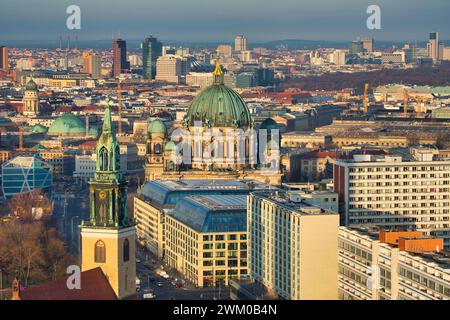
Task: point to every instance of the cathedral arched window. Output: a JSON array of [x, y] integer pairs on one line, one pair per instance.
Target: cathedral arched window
[[100, 252], [104, 159], [126, 250]]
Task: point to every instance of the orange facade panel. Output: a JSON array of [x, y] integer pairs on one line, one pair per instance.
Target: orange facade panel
[[392, 237], [421, 245]]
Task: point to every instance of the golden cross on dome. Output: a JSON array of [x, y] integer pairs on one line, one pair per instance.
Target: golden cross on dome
[[218, 73]]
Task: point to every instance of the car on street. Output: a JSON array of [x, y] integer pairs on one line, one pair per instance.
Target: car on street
[[159, 284], [149, 295]]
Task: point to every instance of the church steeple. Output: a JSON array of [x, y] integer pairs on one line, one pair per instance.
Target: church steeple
[[108, 151]]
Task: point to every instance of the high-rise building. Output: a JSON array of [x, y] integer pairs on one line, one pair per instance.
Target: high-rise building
[[92, 64], [435, 51], [379, 265], [108, 237], [225, 50], [151, 51], [292, 246], [240, 43], [338, 57], [356, 47], [385, 191], [4, 58], [168, 68], [368, 44], [120, 63]]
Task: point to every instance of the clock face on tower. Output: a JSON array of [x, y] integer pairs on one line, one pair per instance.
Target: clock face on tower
[[102, 195]]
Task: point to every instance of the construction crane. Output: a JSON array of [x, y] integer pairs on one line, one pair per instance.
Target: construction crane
[[20, 138], [119, 108], [366, 98], [405, 102]]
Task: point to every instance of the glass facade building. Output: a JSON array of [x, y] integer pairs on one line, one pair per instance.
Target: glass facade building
[[24, 174], [151, 50]]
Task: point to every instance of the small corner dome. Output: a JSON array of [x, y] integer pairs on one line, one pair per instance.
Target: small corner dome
[[269, 124], [170, 146], [31, 86], [157, 126]]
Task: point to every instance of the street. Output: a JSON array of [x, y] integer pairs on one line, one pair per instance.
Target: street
[[146, 270]]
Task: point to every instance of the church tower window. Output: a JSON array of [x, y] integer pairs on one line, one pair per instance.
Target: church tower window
[[100, 252]]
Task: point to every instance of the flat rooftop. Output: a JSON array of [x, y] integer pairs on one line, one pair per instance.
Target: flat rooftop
[[291, 202]]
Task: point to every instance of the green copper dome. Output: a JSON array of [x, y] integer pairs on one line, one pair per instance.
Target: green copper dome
[[31, 85], [38, 129], [218, 106], [157, 126], [67, 124], [170, 146]]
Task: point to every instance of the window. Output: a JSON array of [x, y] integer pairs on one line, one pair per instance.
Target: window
[[126, 250], [100, 252]]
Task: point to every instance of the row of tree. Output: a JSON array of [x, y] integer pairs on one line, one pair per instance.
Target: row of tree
[[31, 249]]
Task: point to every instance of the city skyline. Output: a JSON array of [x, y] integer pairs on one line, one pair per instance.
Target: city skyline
[[288, 19]]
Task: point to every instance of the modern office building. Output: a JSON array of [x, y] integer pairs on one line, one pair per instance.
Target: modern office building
[[338, 57], [240, 43], [4, 63], [120, 63], [155, 198], [24, 174], [265, 76], [206, 239], [92, 64], [388, 192], [356, 47], [376, 265], [151, 51], [168, 68], [368, 44], [225, 50], [292, 246], [433, 46]]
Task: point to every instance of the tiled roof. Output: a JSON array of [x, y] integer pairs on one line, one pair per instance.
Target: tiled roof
[[94, 286]]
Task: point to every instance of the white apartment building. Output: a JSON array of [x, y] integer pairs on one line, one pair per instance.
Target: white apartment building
[[200, 79], [371, 268], [85, 166], [338, 57], [388, 192], [240, 43], [168, 68], [292, 246]]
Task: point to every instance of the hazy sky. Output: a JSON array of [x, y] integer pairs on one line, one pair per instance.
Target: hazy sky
[[197, 20]]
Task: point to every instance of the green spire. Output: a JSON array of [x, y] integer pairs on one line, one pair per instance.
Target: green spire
[[108, 150], [107, 121]]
